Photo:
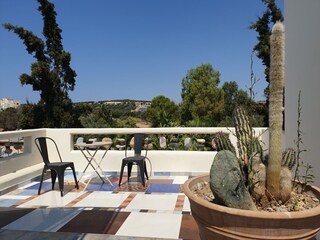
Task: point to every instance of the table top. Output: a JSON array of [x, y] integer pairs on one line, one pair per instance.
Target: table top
[[94, 144]]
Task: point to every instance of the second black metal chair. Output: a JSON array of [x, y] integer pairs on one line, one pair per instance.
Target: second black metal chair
[[137, 159], [56, 168]]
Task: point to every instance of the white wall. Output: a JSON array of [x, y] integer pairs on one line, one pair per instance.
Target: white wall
[[18, 168], [302, 27], [171, 161]]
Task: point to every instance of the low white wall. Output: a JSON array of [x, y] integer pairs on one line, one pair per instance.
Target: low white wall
[[173, 161], [28, 158], [22, 167], [161, 161]]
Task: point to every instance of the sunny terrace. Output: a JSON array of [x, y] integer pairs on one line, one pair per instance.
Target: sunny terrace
[[157, 210]]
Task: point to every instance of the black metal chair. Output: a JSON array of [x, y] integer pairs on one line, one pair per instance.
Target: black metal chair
[[56, 168], [137, 159]]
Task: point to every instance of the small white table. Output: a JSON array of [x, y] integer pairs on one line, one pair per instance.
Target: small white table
[[89, 150]]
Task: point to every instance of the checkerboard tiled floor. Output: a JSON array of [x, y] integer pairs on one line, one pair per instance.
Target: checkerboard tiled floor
[[158, 210]]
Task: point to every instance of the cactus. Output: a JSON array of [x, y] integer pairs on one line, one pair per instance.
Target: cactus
[[243, 132], [289, 158], [223, 142], [275, 109], [255, 149], [285, 183]]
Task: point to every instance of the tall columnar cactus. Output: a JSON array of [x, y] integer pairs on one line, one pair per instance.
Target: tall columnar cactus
[[243, 132], [289, 158], [255, 149], [275, 109], [223, 142]]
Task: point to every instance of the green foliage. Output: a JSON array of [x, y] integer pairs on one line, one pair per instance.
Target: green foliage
[[196, 123], [121, 110], [126, 123], [226, 122], [263, 27], [308, 177], [78, 110], [51, 74], [100, 117], [201, 97], [162, 112], [233, 96], [9, 119]]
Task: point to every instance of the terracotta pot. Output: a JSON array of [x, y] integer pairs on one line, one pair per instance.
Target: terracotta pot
[[219, 222]]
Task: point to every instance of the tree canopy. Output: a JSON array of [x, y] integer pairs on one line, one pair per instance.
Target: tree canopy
[[100, 117], [201, 97], [162, 112], [51, 74]]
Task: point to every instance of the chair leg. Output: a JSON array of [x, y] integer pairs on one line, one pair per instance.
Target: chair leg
[[145, 170], [121, 172], [75, 177], [42, 175], [129, 166], [141, 166], [53, 177], [61, 181]]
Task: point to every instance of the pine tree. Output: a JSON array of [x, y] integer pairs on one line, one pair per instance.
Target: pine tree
[[51, 74]]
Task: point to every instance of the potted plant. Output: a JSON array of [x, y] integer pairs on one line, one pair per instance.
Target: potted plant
[[242, 181]]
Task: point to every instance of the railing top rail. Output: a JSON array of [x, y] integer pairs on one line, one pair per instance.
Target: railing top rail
[[19, 133], [169, 130]]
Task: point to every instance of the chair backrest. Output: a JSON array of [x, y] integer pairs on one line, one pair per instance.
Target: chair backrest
[[42, 145], [138, 144]]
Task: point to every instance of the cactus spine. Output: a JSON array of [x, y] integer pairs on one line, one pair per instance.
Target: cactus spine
[[243, 132], [255, 149], [289, 158], [275, 109], [223, 142]]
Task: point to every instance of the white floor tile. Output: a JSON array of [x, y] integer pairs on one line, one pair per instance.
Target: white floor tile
[[153, 202], [103, 199], [159, 177], [52, 199], [186, 205], [162, 225], [179, 179], [28, 185], [13, 197]]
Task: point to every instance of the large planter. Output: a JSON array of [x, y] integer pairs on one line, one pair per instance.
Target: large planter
[[219, 222]]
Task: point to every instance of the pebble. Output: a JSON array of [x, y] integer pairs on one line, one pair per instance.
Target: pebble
[[315, 199]]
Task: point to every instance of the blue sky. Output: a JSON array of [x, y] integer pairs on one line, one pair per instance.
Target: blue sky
[[126, 49]]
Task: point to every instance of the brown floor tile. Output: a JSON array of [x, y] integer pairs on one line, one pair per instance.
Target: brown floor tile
[[75, 201], [179, 203], [160, 181], [116, 222], [189, 228], [89, 221], [131, 187], [126, 202]]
